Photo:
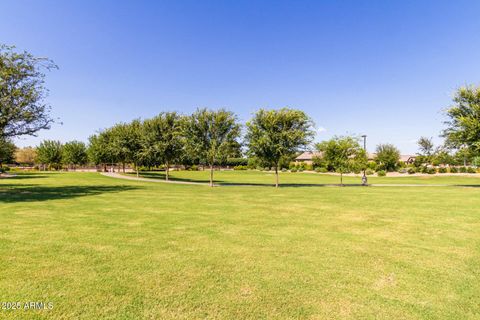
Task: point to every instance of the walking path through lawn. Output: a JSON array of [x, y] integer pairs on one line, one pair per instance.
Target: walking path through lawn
[[121, 176]]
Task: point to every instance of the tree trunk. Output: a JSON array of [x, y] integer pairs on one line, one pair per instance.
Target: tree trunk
[[166, 171], [211, 175], [123, 167], [341, 179], [136, 169], [276, 176]]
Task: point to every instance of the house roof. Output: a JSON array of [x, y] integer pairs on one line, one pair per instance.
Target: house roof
[[308, 155]]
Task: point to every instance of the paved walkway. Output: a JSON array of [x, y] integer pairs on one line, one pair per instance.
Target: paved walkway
[[121, 176]]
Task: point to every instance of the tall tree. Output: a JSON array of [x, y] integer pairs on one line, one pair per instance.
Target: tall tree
[[387, 156], [49, 153], [99, 149], [74, 153], [162, 139], [7, 151], [23, 110], [273, 135], [463, 124], [211, 136], [26, 155], [426, 147], [343, 155], [126, 142]]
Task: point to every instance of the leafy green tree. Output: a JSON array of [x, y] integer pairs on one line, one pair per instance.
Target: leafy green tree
[[343, 154], [387, 156], [125, 143], [211, 136], [426, 148], [49, 154], [99, 149], [162, 140], [26, 155], [74, 153], [276, 135], [463, 125], [23, 110], [7, 151]]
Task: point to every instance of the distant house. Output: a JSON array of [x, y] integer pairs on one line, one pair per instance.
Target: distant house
[[308, 156]]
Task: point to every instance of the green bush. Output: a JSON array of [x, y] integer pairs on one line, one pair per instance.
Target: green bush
[[308, 167], [284, 169], [442, 170], [411, 170], [321, 169], [381, 173], [403, 170], [266, 169], [369, 172], [453, 170], [463, 170], [372, 165], [240, 167], [431, 170], [471, 170], [293, 170]]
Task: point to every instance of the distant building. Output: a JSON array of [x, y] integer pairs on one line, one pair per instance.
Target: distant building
[[307, 157]]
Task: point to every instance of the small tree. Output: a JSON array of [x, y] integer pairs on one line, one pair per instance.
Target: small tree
[[162, 139], [23, 110], [74, 153], [49, 153], [211, 136], [343, 155], [387, 156], [125, 143], [26, 156], [99, 149], [275, 135], [426, 148], [7, 151]]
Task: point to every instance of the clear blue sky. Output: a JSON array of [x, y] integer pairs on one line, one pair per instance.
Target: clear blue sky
[[383, 68]]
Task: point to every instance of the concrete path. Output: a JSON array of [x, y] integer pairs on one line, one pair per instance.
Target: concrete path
[[121, 176]]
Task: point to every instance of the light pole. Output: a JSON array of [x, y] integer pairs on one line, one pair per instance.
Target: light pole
[[364, 178]]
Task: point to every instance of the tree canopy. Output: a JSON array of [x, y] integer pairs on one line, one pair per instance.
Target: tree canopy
[[211, 136], [7, 151], [463, 124], [74, 153], [276, 134], [23, 110], [387, 156], [49, 153]]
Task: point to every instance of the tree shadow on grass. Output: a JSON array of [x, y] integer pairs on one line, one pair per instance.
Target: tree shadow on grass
[[11, 193], [22, 176]]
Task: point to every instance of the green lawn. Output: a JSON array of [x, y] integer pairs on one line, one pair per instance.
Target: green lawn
[[306, 178], [105, 248]]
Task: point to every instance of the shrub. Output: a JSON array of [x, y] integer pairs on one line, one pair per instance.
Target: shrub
[[381, 173], [300, 169], [372, 165], [321, 169], [240, 167], [369, 172], [442, 170], [293, 170], [471, 170], [308, 167], [193, 168], [463, 169], [266, 169], [411, 170], [403, 170], [431, 170], [453, 170], [284, 170]]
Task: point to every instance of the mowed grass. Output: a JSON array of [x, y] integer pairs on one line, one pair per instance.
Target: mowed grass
[[253, 177], [105, 248]]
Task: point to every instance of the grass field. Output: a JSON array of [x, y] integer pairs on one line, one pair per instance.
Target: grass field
[[105, 248]]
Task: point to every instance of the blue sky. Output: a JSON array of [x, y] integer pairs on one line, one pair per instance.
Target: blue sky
[[381, 68]]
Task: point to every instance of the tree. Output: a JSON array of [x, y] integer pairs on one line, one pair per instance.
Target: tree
[[274, 135], [162, 139], [463, 125], [126, 143], [426, 148], [23, 110], [99, 149], [387, 156], [343, 154], [211, 136], [74, 153], [26, 156], [49, 153], [7, 151]]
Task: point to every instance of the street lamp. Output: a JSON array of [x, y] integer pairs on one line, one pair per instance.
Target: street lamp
[[364, 178]]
